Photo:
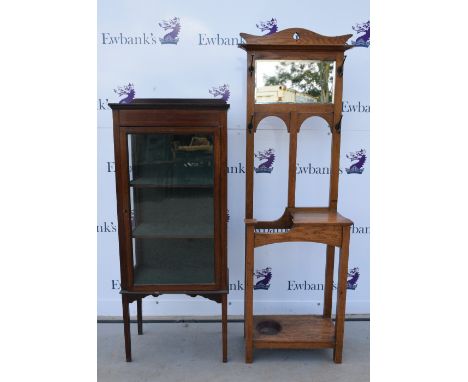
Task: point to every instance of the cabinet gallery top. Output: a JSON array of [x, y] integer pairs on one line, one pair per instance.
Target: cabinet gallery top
[[171, 103]]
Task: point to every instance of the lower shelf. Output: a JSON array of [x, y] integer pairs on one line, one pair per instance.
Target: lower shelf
[[293, 332], [174, 261]]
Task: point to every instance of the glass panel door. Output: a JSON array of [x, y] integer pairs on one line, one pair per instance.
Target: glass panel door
[[171, 195]]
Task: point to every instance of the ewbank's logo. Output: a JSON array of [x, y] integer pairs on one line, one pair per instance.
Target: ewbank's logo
[[107, 227], [268, 156], [358, 166], [222, 91], [353, 276], [352, 107], [126, 91], [172, 25], [299, 286], [265, 276], [363, 39], [270, 25]]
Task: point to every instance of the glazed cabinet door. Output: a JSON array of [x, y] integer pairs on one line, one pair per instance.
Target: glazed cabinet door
[[173, 197]]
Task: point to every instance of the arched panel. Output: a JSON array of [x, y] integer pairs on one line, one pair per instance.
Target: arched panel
[[313, 163], [303, 117], [284, 117], [271, 153]]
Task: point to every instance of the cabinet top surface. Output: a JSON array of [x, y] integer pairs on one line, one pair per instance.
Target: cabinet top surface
[[171, 103]]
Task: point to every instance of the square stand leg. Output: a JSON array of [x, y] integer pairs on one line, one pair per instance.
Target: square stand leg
[[341, 296], [328, 287]]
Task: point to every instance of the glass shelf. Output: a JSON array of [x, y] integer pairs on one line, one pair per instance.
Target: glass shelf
[[173, 212], [161, 182], [163, 230]]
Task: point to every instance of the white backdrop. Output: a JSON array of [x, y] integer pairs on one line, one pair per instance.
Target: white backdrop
[[134, 62]]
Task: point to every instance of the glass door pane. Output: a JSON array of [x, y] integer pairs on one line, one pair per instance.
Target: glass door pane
[[171, 195]]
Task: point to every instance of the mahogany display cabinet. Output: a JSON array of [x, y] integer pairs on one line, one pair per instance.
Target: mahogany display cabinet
[[170, 168], [294, 75]]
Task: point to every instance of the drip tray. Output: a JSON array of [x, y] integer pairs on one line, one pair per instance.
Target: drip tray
[[293, 332], [268, 327]]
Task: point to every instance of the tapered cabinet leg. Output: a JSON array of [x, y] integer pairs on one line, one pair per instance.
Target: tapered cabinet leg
[[126, 320], [328, 288], [139, 316], [341, 296], [245, 276], [224, 324], [248, 313]]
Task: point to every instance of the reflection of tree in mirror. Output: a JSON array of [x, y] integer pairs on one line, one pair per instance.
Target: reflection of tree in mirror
[[312, 78]]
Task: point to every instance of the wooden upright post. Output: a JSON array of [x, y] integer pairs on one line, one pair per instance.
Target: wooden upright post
[[341, 296], [248, 314], [328, 287], [292, 160], [336, 136]]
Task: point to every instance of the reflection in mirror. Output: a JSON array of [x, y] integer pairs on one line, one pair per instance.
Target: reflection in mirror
[[294, 81]]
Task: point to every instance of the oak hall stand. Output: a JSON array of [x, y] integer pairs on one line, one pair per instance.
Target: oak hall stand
[[171, 182], [285, 94]]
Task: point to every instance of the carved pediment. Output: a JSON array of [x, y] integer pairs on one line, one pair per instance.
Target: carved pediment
[[295, 37]]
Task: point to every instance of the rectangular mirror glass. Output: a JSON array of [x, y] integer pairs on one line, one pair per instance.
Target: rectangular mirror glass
[[294, 81]]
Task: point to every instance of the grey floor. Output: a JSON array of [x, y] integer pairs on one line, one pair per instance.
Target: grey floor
[[192, 352]]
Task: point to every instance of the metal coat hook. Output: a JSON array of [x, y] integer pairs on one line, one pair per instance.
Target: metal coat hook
[[250, 125], [341, 68], [251, 67], [338, 125]]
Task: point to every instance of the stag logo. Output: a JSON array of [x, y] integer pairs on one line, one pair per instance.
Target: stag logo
[[358, 166], [269, 157], [173, 25], [362, 40], [353, 276], [128, 91], [270, 25], [265, 276], [222, 91]]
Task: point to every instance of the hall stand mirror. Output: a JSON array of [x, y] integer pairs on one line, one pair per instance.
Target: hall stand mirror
[[295, 74], [171, 182]]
